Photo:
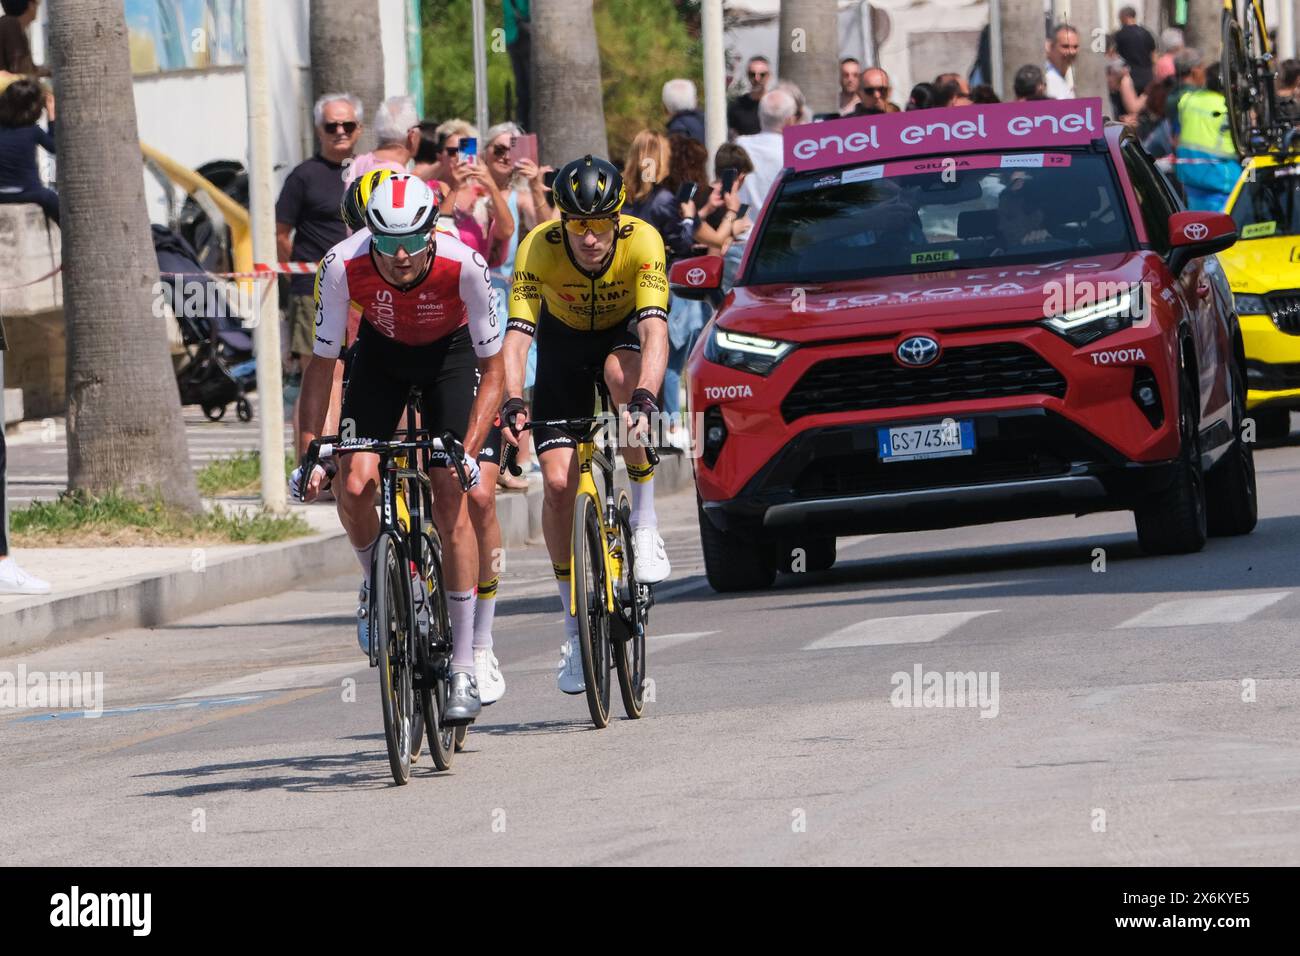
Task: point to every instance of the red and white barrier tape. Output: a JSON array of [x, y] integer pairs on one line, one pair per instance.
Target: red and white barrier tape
[[22, 285], [262, 270]]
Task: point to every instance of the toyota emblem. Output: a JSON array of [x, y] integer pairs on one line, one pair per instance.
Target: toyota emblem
[[917, 351], [695, 276], [1196, 231]]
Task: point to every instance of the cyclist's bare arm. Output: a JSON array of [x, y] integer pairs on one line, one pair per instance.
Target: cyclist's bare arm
[[653, 334], [492, 375], [486, 334]]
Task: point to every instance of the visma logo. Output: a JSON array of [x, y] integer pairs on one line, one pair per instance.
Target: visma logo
[[75, 909]]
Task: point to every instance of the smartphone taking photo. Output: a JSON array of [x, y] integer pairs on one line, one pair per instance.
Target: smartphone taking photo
[[686, 192], [728, 179], [468, 149]]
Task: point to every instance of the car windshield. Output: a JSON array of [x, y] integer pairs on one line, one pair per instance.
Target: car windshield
[[1269, 206], [942, 213]]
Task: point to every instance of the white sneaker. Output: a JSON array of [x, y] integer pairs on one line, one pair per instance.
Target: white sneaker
[[14, 580], [487, 670], [651, 565], [569, 677]]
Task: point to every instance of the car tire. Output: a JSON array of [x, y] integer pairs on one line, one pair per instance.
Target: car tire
[[1230, 493], [1173, 521], [818, 555], [1272, 425], [732, 563]]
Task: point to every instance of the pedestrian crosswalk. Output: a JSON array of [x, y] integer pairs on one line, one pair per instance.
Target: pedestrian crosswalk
[[1189, 612], [909, 629]]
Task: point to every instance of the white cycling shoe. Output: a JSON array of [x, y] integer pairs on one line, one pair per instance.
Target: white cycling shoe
[[487, 671], [569, 678], [651, 565]]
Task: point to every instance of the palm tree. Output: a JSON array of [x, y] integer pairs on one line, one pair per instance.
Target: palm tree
[[1090, 64], [810, 46], [568, 107], [1204, 29], [1023, 40], [124, 414], [347, 55]]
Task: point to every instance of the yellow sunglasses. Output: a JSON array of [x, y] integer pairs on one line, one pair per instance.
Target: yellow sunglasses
[[579, 227]]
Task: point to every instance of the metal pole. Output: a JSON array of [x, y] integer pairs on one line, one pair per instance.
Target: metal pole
[[480, 72], [1286, 45], [261, 187], [868, 36], [4, 474], [995, 47], [715, 78]]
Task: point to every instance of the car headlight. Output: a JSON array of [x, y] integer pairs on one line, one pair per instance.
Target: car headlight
[[1090, 322], [1250, 304], [748, 353]]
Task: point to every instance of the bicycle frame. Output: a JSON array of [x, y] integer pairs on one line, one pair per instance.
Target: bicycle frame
[[589, 454], [1231, 7]]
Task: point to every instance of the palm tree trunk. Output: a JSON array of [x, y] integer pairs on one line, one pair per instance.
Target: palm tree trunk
[[810, 50], [568, 105], [347, 56], [124, 415], [1023, 40], [1204, 29], [1090, 64]]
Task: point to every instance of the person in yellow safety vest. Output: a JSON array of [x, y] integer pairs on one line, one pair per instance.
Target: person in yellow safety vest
[[1207, 165]]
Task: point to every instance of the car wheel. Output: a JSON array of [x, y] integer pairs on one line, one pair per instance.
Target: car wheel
[[1272, 425], [1173, 521], [818, 554], [732, 563], [1230, 496]]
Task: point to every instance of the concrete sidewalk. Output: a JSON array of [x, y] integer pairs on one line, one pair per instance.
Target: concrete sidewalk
[[98, 590]]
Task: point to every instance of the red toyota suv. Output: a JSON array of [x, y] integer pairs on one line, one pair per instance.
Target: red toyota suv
[[961, 316]]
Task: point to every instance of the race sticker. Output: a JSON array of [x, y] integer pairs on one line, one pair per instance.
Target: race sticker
[[937, 255], [831, 179], [862, 174], [1023, 161], [1257, 229]]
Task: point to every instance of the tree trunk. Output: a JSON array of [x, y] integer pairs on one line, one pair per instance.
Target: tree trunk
[[568, 103], [1203, 30], [124, 415], [1023, 40], [810, 51], [347, 56], [1090, 64]]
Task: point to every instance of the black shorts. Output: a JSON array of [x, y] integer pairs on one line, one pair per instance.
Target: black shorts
[[568, 364], [382, 372]]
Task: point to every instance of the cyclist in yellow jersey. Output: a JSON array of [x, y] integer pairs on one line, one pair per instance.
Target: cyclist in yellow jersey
[[592, 287]]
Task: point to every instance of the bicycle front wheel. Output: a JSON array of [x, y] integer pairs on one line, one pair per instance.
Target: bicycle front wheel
[[433, 699], [1237, 82], [630, 627], [391, 617], [588, 547]]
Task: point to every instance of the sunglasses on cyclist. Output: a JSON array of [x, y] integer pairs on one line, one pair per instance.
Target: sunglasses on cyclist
[[579, 227], [348, 127], [389, 245]]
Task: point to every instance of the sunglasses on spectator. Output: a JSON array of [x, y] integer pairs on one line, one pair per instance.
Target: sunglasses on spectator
[[500, 150], [349, 127], [579, 227], [875, 90], [761, 75], [389, 245]]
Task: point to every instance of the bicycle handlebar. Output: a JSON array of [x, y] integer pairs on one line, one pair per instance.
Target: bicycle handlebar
[[579, 424], [446, 443]]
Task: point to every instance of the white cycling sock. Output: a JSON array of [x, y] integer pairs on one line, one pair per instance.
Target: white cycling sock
[[364, 555], [485, 606], [570, 623], [642, 480], [460, 608]]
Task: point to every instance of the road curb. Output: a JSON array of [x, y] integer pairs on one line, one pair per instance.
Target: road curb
[[154, 600]]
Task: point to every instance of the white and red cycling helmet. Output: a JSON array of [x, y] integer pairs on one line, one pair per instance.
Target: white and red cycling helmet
[[401, 205]]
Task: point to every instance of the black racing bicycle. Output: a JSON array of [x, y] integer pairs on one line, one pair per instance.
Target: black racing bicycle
[[410, 630]]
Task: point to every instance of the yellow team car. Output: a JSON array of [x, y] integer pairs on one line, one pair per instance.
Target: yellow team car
[[1264, 271]]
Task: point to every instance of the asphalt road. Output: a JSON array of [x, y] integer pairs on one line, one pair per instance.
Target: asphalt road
[[1146, 714]]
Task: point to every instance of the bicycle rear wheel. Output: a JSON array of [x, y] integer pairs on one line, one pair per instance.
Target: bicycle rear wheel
[[1237, 83], [588, 548], [1257, 51], [391, 617], [433, 698], [629, 625]]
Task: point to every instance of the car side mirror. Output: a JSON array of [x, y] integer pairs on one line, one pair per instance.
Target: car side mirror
[[1196, 234], [699, 277]]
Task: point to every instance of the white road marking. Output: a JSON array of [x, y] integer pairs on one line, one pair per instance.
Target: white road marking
[[282, 678], [657, 642], [1188, 612], [909, 629]]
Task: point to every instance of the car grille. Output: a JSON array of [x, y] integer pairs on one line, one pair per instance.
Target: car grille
[[1285, 309], [866, 382], [1267, 377]]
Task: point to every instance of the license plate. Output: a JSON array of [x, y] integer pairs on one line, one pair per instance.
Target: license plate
[[935, 440]]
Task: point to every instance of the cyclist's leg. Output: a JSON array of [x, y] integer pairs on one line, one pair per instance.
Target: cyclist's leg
[[447, 398], [487, 533]]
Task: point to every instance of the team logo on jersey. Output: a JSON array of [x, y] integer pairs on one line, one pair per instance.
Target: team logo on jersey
[[625, 231]]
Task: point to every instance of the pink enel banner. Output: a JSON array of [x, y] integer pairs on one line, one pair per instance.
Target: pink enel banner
[[1041, 124]]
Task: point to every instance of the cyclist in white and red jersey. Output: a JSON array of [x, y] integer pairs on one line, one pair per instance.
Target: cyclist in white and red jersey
[[427, 320]]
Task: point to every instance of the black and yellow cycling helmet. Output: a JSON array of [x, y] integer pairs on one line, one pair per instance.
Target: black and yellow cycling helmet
[[588, 187], [355, 198]]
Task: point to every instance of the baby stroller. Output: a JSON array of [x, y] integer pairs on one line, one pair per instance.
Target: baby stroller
[[218, 367]]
